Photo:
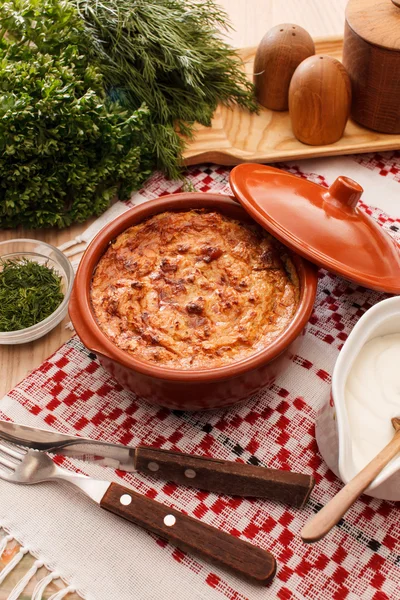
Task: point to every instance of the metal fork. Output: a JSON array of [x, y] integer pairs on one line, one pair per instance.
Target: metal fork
[[18, 465], [30, 466]]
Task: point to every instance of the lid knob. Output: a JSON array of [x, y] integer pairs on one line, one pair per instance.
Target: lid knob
[[346, 190]]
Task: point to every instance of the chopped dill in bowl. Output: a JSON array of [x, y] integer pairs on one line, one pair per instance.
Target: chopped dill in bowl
[[29, 293]]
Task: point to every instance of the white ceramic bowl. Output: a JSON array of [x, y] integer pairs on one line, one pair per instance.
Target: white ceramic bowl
[[332, 426], [41, 253]]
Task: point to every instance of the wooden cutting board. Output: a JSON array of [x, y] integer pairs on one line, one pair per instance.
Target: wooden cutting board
[[237, 136]]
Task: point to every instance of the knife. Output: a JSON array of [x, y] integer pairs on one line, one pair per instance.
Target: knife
[[213, 475]]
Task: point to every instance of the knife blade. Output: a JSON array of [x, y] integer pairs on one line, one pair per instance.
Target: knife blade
[[104, 454], [210, 474]]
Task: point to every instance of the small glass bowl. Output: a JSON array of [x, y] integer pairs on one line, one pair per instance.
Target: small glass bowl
[[41, 253]]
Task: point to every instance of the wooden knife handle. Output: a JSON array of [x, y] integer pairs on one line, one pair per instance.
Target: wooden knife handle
[[190, 535], [225, 477]]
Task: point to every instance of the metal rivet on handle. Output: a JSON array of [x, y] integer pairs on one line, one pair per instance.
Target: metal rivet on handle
[[190, 473], [152, 466], [169, 520], [125, 499]]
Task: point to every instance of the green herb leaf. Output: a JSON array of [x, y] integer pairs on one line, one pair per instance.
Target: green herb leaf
[[168, 54], [93, 95], [29, 293], [66, 149]]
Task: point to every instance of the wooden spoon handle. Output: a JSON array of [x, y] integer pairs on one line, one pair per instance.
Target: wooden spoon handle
[[319, 525]]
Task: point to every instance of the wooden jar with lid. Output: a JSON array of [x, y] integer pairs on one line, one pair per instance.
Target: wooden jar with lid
[[371, 55]]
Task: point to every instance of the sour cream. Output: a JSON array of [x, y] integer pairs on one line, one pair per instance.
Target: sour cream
[[372, 396]]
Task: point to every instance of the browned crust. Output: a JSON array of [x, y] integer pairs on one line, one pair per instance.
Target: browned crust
[[194, 289]]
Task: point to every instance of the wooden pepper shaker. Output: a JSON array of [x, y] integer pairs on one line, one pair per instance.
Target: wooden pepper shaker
[[319, 100], [280, 51]]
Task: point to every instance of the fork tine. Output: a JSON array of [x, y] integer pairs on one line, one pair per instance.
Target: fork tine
[[7, 463], [5, 472], [11, 450]]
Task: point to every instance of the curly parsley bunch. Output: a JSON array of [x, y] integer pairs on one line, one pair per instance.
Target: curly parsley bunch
[[65, 148]]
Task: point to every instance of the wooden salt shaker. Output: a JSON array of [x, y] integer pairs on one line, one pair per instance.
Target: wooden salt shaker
[[371, 55], [280, 51]]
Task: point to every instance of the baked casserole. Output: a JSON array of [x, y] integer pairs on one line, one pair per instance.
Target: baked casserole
[[194, 290]]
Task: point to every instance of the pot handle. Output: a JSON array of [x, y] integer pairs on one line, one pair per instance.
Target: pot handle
[[82, 329]]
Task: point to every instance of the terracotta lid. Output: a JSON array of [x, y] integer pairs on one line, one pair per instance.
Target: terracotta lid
[[376, 21], [323, 225]]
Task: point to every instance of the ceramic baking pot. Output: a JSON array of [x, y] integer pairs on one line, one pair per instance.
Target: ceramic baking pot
[[174, 388], [333, 431]]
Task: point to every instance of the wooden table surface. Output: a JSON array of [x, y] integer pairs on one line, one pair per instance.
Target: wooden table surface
[[251, 19]]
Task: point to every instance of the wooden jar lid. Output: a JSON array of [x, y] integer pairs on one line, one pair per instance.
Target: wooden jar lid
[[376, 21]]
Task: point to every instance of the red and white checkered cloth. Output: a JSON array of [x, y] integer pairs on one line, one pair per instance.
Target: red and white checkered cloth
[[360, 559]]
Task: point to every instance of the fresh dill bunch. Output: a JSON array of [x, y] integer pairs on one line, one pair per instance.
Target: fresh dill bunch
[[29, 293], [170, 56]]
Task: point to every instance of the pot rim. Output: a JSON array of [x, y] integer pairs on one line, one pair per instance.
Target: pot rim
[[84, 321]]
